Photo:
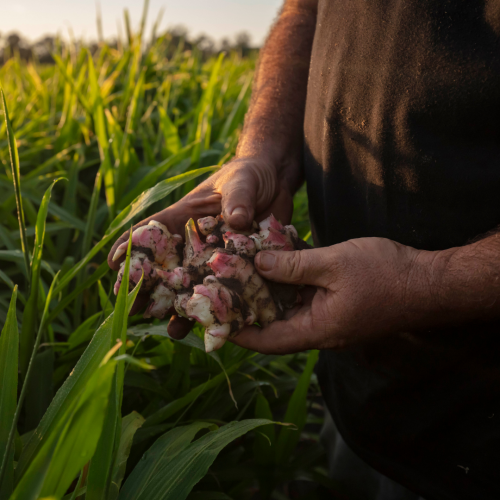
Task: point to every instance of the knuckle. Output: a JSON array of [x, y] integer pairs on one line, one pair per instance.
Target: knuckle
[[294, 266]]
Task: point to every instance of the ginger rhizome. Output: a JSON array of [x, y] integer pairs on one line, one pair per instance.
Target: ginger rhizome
[[217, 283]]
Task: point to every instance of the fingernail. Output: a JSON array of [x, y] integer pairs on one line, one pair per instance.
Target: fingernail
[[266, 260], [240, 211], [119, 252]]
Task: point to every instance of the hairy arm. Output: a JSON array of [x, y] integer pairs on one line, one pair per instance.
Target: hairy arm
[[274, 123], [455, 286], [366, 288]]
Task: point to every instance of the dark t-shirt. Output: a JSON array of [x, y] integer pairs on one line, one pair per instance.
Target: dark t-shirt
[[402, 141]]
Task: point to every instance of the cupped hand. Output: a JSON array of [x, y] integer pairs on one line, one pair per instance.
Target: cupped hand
[[244, 190], [355, 291]]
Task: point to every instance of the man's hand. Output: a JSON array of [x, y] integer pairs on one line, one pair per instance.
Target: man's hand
[[356, 291]]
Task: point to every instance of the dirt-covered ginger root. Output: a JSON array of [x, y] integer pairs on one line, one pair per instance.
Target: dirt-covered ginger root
[[217, 283]]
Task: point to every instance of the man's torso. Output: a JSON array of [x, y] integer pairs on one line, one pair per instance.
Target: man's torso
[[402, 140]]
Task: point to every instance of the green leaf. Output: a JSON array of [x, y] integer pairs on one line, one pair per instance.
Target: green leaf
[[71, 389], [151, 178], [67, 447], [9, 346], [30, 314], [162, 451], [173, 477], [265, 438], [232, 119], [156, 193], [172, 408], [16, 179], [170, 133], [39, 390], [296, 413], [130, 424], [84, 332], [100, 470], [101, 466]]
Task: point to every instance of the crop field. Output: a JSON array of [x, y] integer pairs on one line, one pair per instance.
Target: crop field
[[95, 404]]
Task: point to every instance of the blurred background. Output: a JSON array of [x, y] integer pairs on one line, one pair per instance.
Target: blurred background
[[216, 24]]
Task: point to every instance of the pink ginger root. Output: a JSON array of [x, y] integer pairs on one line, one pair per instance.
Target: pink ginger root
[[247, 282], [153, 248], [274, 236], [239, 243], [196, 253], [218, 287], [162, 299], [216, 307], [154, 240], [138, 262]]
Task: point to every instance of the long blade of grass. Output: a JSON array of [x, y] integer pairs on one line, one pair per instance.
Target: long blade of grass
[[68, 448], [151, 178], [166, 447], [71, 389], [101, 467], [16, 179], [175, 476], [9, 347], [71, 82], [129, 426], [30, 315], [296, 413], [30, 368]]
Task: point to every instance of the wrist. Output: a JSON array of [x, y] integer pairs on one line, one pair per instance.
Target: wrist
[[428, 302]]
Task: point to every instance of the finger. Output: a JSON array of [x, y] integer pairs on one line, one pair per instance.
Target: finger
[[280, 337], [179, 327], [140, 303], [307, 267], [238, 200]]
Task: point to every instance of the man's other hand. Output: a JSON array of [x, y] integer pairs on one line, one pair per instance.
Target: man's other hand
[[355, 291]]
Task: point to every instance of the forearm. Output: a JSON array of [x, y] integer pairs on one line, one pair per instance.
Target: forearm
[[455, 286], [274, 123]]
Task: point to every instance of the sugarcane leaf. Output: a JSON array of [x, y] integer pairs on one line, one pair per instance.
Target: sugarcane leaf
[[100, 272], [71, 389], [296, 413], [151, 178], [67, 446], [16, 179], [265, 437], [162, 451], [30, 315], [9, 347], [172, 408], [101, 466], [130, 423], [174, 478], [233, 118], [84, 332], [39, 390], [99, 478], [170, 133]]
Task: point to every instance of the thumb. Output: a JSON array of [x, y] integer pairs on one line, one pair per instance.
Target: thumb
[[239, 195], [305, 267]]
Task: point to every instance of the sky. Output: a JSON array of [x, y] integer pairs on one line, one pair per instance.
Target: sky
[[216, 18]]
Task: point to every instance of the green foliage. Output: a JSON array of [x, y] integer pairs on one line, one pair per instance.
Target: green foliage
[[131, 129]]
